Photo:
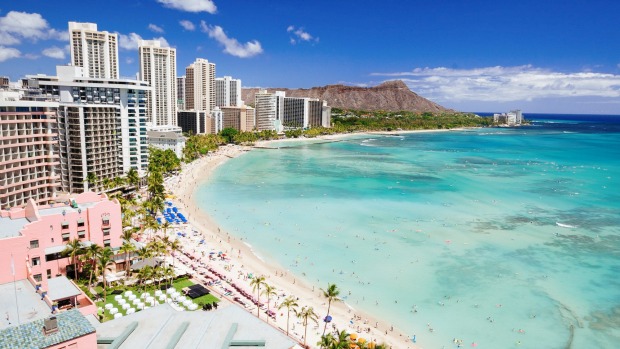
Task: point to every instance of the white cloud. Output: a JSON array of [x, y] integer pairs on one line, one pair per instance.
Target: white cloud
[[129, 60], [231, 45], [8, 39], [190, 5], [155, 28], [187, 25], [300, 35], [130, 41], [505, 84], [8, 53], [16, 26], [31, 56], [54, 52]]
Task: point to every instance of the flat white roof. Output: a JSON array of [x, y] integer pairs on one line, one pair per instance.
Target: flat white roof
[[61, 288]]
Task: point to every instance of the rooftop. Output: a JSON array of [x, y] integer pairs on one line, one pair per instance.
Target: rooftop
[[19, 300], [162, 327], [61, 288], [71, 324]]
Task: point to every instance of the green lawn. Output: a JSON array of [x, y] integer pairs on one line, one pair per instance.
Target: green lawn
[[138, 290]]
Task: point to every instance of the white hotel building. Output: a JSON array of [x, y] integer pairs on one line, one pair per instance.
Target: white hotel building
[[95, 51], [101, 124], [227, 92], [158, 66]]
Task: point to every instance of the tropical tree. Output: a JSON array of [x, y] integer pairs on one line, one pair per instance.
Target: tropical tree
[[144, 275], [174, 246], [168, 273], [165, 226], [269, 291], [288, 303], [133, 178], [93, 252], [103, 263], [144, 253], [127, 248], [107, 183], [307, 314], [91, 179], [331, 294], [256, 283], [327, 341], [73, 248]]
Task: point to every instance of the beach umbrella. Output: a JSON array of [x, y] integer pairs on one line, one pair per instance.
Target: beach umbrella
[[328, 319], [353, 336]]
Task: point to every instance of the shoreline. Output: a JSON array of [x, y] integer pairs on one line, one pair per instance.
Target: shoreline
[[244, 258]]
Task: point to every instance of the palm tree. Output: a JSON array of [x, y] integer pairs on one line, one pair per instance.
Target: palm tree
[[175, 245], [92, 253], [73, 249], [133, 178], [331, 294], [327, 341], [91, 178], [144, 253], [127, 235], [165, 226], [256, 283], [168, 273], [127, 248], [307, 314], [289, 303], [104, 262], [107, 183], [269, 291], [144, 275], [118, 182]]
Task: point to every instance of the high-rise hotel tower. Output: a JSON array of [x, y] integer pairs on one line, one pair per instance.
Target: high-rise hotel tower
[[95, 51], [158, 66]]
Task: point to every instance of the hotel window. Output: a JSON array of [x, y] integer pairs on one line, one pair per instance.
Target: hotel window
[[36, 261], [65, 225], [37, 277], [34, 243], [81, 234], [106, 243], [106, 231], [80, 222], [49, 273], [106, 220], [65, 237]]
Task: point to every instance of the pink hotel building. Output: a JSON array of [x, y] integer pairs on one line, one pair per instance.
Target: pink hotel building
[[34, 237]]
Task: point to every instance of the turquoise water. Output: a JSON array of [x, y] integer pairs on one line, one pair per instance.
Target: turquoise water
[[502, 237]]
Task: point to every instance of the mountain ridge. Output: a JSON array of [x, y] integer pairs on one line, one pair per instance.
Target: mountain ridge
[[393, 95]]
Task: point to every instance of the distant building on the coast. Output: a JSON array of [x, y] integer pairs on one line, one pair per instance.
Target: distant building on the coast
[[275, 111], [512, 118], [227, 92], [269, 108], [192, 121], [181, 96], [165, 138], [240, 118], [200, 86]]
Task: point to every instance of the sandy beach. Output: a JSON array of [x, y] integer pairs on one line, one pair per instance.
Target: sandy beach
[[241, 261]]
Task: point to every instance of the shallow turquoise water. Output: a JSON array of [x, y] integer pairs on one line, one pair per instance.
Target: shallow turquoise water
[[460, 226]]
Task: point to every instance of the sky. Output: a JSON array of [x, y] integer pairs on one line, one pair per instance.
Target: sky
[[470, 55]]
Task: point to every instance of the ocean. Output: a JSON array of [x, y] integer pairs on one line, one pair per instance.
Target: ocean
[[499, 237]]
